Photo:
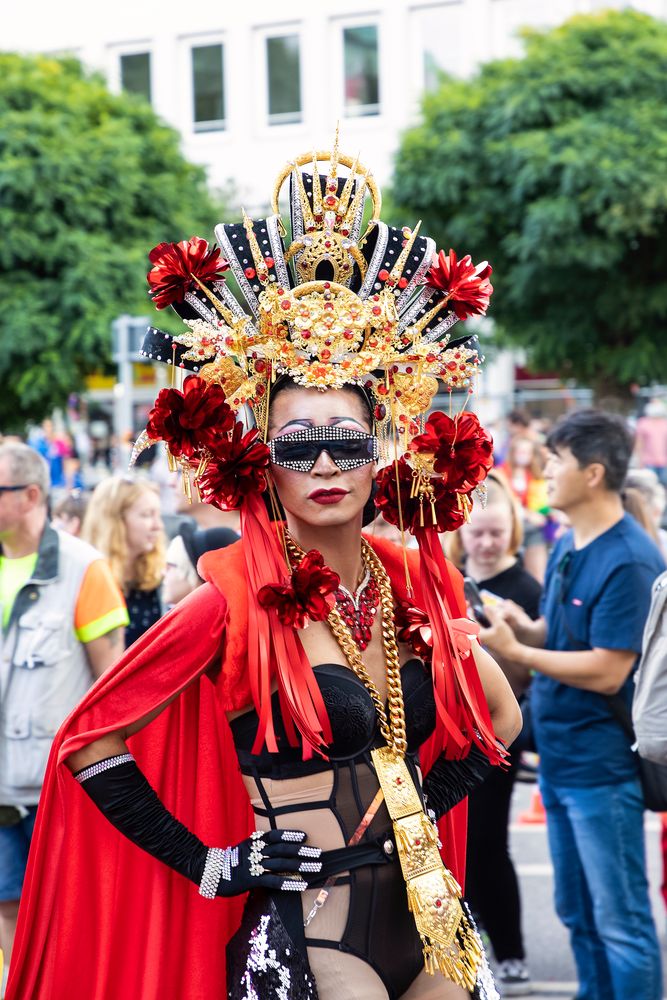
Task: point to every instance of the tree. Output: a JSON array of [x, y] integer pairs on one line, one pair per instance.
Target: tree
[[554, 167], [89, 182]]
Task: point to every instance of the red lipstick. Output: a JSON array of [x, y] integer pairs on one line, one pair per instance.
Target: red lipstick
[[328, 496]]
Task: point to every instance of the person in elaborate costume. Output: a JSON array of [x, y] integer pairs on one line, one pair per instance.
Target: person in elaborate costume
[[295, 728]]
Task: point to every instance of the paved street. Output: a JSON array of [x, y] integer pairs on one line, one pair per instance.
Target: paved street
[[547, 944]]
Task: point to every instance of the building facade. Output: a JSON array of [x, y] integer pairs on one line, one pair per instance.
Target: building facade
[[249, 85]]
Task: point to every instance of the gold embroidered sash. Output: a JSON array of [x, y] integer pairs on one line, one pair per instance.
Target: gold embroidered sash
[[451, 944]]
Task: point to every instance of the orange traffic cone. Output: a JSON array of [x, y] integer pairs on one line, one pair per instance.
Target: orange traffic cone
[[535, 813]]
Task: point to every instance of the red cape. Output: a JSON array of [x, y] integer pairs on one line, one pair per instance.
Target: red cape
[[99, 918]]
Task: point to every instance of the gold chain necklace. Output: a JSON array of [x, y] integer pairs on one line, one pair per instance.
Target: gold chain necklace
[[392, 728]]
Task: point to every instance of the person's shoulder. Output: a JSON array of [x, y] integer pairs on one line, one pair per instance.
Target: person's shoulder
[[634, 544], [71, 547]]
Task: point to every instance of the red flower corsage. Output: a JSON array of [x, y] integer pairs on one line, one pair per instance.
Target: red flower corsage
[[414, 628], [462, 449], [447, 507], [466, 286], [191, 420], [174, 265], [236, 468], [308, 595]]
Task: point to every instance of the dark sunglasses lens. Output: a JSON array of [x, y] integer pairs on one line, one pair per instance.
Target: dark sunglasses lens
[[295, 451], [360, 450]]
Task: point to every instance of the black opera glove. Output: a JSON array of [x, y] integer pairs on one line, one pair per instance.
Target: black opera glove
[[449, 781], [122, 793]]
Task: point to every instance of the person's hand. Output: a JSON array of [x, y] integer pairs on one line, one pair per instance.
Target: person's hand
[[500, 638], [515, 616], [275, 859]]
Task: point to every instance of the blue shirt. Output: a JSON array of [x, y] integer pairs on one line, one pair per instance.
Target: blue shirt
[[594, 597]]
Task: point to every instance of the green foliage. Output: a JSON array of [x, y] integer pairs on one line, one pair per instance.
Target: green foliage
[[554, 167], [89, 182]]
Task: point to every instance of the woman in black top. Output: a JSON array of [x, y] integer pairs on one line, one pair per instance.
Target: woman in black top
[[487, 547]]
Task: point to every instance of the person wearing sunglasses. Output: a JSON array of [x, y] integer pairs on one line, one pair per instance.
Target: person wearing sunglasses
[[262, 758], [62, 619]]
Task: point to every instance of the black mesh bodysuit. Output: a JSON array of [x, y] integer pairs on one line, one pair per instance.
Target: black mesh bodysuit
[[366, 915]]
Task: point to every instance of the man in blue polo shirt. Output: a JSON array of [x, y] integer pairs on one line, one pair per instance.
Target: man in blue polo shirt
[[596, 600]]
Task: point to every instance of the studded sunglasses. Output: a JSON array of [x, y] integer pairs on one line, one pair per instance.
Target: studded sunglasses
[[347, 448]]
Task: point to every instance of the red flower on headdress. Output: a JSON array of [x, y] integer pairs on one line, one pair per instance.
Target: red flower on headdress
[[191, 420], [414, 628], [174, 264], [448, 505], [462, 449], [236, 469], [308, 595], [466, 285]]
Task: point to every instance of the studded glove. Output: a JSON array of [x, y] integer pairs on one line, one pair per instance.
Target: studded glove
[[277, 859]]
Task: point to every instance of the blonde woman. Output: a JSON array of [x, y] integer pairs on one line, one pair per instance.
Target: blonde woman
[[124, 522]]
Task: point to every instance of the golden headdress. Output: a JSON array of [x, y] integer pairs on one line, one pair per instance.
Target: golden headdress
[[331, 306]]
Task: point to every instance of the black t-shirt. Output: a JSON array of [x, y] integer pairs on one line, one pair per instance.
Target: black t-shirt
[[515, 584]]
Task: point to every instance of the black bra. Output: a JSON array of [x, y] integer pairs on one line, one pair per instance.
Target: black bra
[[354, 722]]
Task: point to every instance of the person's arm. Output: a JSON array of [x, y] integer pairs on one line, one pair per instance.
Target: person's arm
[[100, 617], [503, 706], [598, 669], [104, 650], [449, 781], [110, 776]]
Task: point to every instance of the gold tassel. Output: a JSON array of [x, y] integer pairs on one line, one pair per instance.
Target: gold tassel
[[171, 461]]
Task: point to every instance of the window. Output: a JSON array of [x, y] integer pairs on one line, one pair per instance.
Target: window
[[208, 91], [135, 73], [283, 65], [362, 85], [439, 30]]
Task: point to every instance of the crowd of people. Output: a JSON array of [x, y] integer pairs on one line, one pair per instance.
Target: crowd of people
[[561, 559]]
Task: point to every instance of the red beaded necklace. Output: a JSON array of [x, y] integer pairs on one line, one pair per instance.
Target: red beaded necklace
[[358, 610]]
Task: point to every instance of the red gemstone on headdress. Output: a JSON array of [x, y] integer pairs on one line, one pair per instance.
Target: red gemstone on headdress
[[330, 200], [345, 232], [285, 303], [249, 273], [382, 390], [348, 334], [280, 291], [383, 274], [376, 310], [327, 244], [268, 261], [325, 355], [306, 334], [380, 411], [402, 282], [331, 186], [327, 284], [451, 366], [438, 903], [457, 355], [409, 370]]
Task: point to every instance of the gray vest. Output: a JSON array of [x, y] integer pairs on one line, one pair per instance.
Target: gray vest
[[44, 671]]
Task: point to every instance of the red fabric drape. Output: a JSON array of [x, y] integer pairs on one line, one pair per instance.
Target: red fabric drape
[[101, 920]]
